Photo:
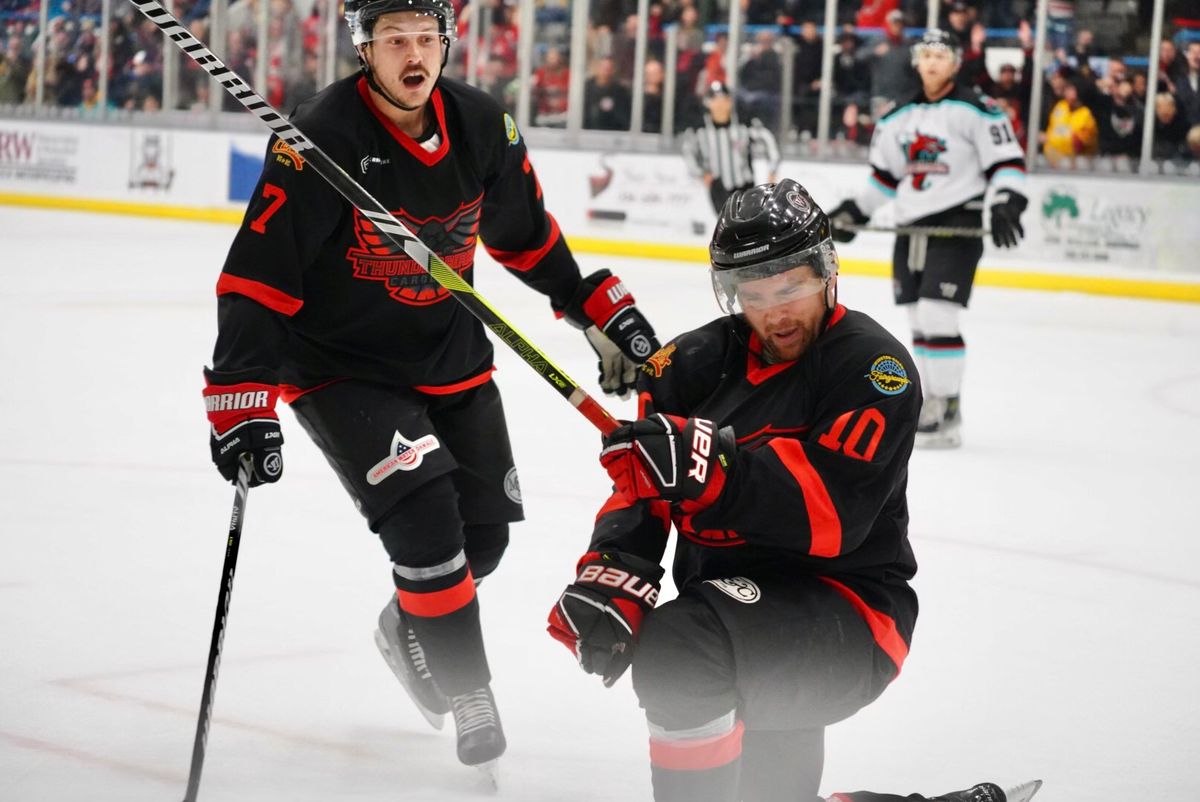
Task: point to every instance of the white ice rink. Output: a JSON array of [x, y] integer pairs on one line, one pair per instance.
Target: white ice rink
[[1059, 549]]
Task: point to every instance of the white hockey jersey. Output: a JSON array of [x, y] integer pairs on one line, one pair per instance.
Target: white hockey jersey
[[931, 157]]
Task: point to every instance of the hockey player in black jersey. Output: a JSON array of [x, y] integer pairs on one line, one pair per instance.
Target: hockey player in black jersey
[[936, 156], [389, 375], [776, 441]]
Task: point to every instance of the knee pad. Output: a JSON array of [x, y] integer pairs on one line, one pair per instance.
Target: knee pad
[[485, 545], [425, 528], [935, 318]]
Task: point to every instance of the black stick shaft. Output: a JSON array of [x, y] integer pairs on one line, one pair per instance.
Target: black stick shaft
[[400, 236], [236, 517]]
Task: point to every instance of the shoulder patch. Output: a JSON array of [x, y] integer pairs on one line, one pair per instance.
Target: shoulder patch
[[657, 363], [888, 375], [286, 155], [510, 130]]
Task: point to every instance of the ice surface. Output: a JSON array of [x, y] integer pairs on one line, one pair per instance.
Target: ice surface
[[1058, 551]]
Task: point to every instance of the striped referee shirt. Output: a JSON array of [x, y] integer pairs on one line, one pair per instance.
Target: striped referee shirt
[[727, 151]]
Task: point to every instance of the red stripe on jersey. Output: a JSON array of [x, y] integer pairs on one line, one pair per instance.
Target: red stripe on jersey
[[523, 261], [883, 627], [644, 404], [271, 298], [290, 392], [698, 754], [757, 371], [839, 312], [411, 145], [823, 521], [457, 387], [439, 602]]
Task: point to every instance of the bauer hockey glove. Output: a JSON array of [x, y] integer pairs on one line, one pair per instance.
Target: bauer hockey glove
[[243, 421], [1006, 218], [682, 460], [617, 331], [841, 219], [598, 616]]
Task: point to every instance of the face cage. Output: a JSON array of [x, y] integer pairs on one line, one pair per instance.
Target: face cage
[[955, 53], [357, 20], [821, 258]]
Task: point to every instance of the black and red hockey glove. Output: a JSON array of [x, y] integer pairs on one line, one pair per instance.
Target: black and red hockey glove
[[682, 460], [615, 328], [243, 421], [598, 616]]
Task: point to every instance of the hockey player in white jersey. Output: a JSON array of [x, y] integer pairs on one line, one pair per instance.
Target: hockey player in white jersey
[[935, 157]]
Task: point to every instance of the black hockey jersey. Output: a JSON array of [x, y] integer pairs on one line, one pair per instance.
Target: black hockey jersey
[[311, 291], [817, 484]]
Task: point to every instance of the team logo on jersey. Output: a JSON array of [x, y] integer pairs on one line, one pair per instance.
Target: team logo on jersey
[[737, 588], [512, 486], [286, 155], [452, 238], [404, 455], [889, 375], [510, 130], [367, 161], [656, 364], [922, 152]]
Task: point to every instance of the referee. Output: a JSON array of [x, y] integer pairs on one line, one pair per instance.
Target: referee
[[721, 152]]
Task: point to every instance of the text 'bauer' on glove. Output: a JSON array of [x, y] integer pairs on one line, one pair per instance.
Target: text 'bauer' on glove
[[684, 460], [243, 421], [615, 328], [598, 616], [1006, 218]]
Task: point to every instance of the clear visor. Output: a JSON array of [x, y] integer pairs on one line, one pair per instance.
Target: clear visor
[[780, 281], [422, 40]]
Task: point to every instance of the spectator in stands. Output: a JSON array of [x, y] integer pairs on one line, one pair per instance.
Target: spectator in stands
[[1071, 130], [760, 78], [856, 127], [1187, 86], [973, 71], [958, 20], [1193, 143], [691, 35], [12, 82], [873, 13], [606, 103], [1140, 86], [806, 77], [1170, 64], [714, 62], [652, 87], [1170, 130], [893, 79], [551, 84], [851, 76], [624, 46], [1119, 117]]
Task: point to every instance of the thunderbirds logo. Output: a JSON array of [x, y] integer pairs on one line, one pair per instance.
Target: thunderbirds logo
[[656, 364], [286, 155], [452, 238], [922, 152]]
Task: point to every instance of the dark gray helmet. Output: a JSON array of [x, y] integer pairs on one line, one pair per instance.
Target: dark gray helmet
[[938, 38], [768, 230], [361, 16]]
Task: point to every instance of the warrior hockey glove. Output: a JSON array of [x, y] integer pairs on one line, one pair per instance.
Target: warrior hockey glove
[[617, 331], [1006, 218], [598, 616], [243, 421], [845, 215], [663, 456]]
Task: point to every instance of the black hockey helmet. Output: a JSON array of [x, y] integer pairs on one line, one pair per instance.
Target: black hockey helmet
[[361, 16], [938, 38], [768, 230]]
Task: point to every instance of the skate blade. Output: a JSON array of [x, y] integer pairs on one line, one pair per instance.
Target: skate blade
[[491, 773], [436, 720], [1023, 792]]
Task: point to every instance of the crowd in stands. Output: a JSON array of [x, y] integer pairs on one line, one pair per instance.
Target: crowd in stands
[[1093, 97]]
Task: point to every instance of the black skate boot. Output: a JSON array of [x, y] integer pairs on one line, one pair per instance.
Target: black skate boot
[[404, 655], [480, 736], [990, 792], [940, 424]]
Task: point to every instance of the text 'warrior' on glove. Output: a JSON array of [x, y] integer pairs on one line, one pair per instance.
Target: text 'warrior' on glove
[[598, 616], [616, 329], [243, 421], [664, 456]]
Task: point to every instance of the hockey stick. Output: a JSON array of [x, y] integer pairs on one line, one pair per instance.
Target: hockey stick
[[385, 221], [218, 634], [918, 231]]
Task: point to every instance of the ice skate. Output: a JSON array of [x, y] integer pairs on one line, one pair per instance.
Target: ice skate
[[404, 655], [990, 792], [480, 736], [940, 424]]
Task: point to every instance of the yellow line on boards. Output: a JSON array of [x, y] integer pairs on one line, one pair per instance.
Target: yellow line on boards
[[1180, 291]]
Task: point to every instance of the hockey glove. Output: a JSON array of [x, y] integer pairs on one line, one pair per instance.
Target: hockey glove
[[243, 421], [1006, 218], [663, 456], [845, 215], [598, 616], [617, 331]]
